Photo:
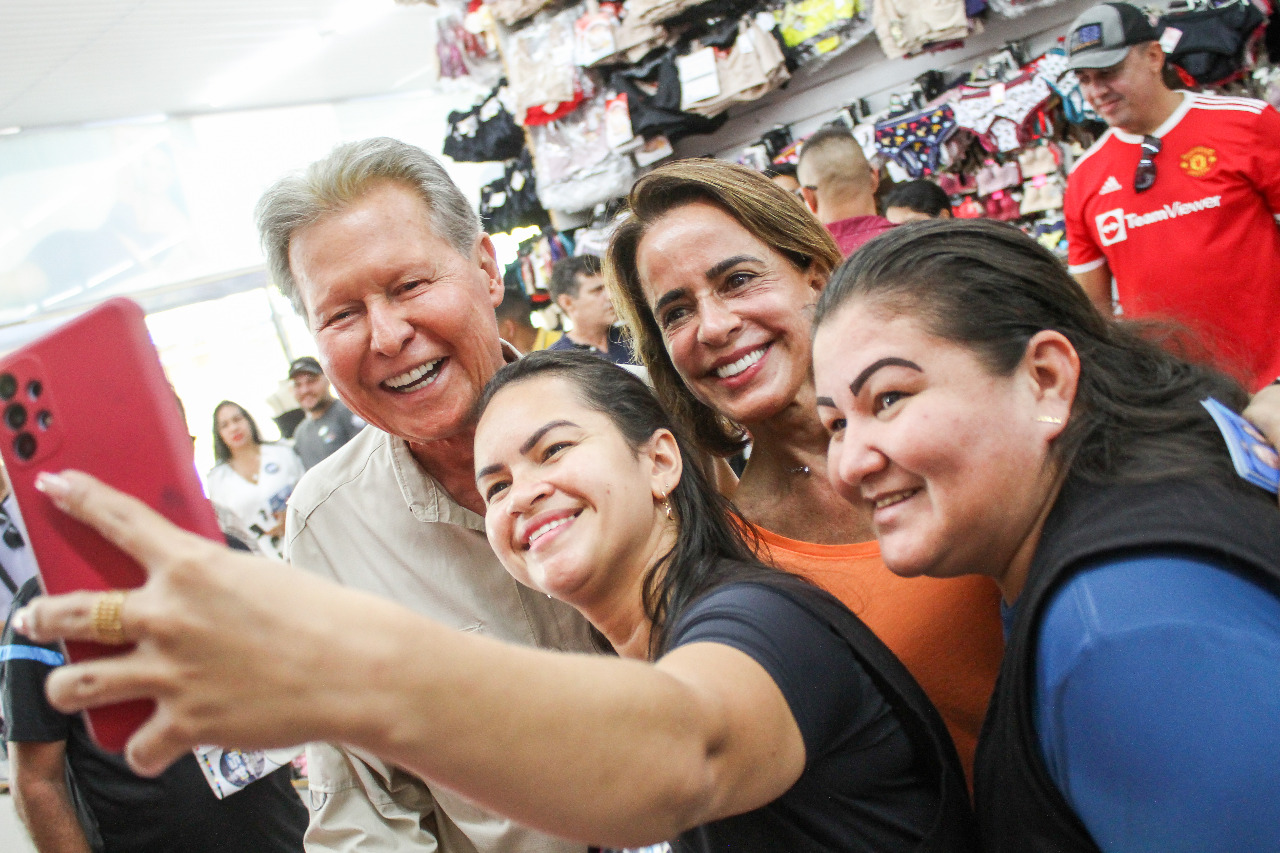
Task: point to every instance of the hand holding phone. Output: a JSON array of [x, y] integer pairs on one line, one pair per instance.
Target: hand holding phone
[[92, 395]]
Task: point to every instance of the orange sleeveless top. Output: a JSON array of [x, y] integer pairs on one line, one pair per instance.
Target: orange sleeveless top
[[946, 632]]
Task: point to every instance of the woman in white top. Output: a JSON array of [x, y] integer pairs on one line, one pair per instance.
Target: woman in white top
[[252, 479]]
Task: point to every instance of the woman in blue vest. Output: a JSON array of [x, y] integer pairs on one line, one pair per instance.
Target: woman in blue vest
[[1001, 426]]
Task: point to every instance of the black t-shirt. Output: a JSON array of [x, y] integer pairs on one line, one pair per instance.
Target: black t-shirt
[[176, 811], [860, 788]]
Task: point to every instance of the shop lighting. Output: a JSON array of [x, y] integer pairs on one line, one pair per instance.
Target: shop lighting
[[292, 52]]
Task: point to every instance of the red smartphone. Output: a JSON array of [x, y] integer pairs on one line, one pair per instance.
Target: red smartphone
[[91, 395]]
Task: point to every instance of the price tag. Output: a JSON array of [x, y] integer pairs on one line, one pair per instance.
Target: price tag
[[698, 78]]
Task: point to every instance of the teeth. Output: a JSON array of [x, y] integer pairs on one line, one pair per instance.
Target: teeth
[[741, 364], [409, 377], [548, 527], [890, 500]]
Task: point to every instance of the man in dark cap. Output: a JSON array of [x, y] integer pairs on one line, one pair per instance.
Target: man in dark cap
[[329, 424], [1179, 200]]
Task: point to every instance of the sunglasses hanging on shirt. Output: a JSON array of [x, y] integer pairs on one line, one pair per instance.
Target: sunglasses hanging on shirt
[[1145, 177]]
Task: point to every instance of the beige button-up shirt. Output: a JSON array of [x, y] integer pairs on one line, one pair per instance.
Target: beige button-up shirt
[[370, 517]]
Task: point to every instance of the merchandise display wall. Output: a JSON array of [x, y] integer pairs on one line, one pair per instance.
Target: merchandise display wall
[[864, 72], [975, 96]]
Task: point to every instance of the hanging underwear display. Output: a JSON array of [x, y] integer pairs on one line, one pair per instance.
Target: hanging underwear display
[[996, 113], [914, 141], [484, 132]]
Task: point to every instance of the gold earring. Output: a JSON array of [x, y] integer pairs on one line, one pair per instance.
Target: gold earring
[[666, 504], [1048, 419]]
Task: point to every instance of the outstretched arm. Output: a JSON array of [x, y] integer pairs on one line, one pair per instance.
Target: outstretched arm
[[244, 654]]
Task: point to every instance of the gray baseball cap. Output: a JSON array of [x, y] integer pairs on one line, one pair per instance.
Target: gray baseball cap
[[305, 364], [1102, 36]]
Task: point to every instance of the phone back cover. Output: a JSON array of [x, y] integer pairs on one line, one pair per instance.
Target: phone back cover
[[103, 406]]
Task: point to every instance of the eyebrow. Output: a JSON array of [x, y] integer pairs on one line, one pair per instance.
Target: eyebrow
[[856, 385], [729, 263], [711, 274], [827, 402], [528, 445]]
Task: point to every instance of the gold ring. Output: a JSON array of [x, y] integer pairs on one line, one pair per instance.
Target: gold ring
[[107, 627]]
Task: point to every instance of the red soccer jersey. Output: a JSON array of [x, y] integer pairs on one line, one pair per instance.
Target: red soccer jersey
[[1202, 245]]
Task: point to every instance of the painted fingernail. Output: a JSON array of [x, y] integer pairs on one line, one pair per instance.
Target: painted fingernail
[[53, 485]]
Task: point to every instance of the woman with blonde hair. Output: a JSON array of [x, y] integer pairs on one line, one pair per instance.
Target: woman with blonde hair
[[715, 273]]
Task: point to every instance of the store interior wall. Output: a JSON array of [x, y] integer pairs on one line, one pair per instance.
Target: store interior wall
[[812, 98]]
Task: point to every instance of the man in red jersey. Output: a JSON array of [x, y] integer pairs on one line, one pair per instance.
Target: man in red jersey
[[1179, 200]]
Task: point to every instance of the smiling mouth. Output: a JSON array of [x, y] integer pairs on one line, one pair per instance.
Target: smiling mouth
[[734, 368], [895, 498], [544, 529], [415, 379]]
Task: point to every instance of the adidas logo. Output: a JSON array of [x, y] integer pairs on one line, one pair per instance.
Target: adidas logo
[[1111, 186]]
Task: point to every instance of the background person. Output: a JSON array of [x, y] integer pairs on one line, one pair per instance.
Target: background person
[[329, 424], [915, 200], [767, 721], [839, 187], [578, 288], [784, 175], [1179, 200], [253, 478], [384, 259], [716, 273], [1002, 426], [515, 325]]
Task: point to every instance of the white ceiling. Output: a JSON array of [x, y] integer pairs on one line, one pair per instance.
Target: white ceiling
[[67, 62]]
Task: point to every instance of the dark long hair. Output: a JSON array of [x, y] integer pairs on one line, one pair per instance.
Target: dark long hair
[[987, 286], [712, 545], [221, 452]]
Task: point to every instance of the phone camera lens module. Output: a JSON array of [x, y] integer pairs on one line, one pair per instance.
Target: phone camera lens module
[[25, 446], [35, 388], [15, 415], [8, 386], [44, 417]]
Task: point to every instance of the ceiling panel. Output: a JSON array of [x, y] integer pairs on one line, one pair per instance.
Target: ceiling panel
[[71, 61]]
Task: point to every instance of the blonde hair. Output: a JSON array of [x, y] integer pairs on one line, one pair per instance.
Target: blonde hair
[[768, 212]]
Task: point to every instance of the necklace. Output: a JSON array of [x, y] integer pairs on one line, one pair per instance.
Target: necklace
[[800, 469]]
